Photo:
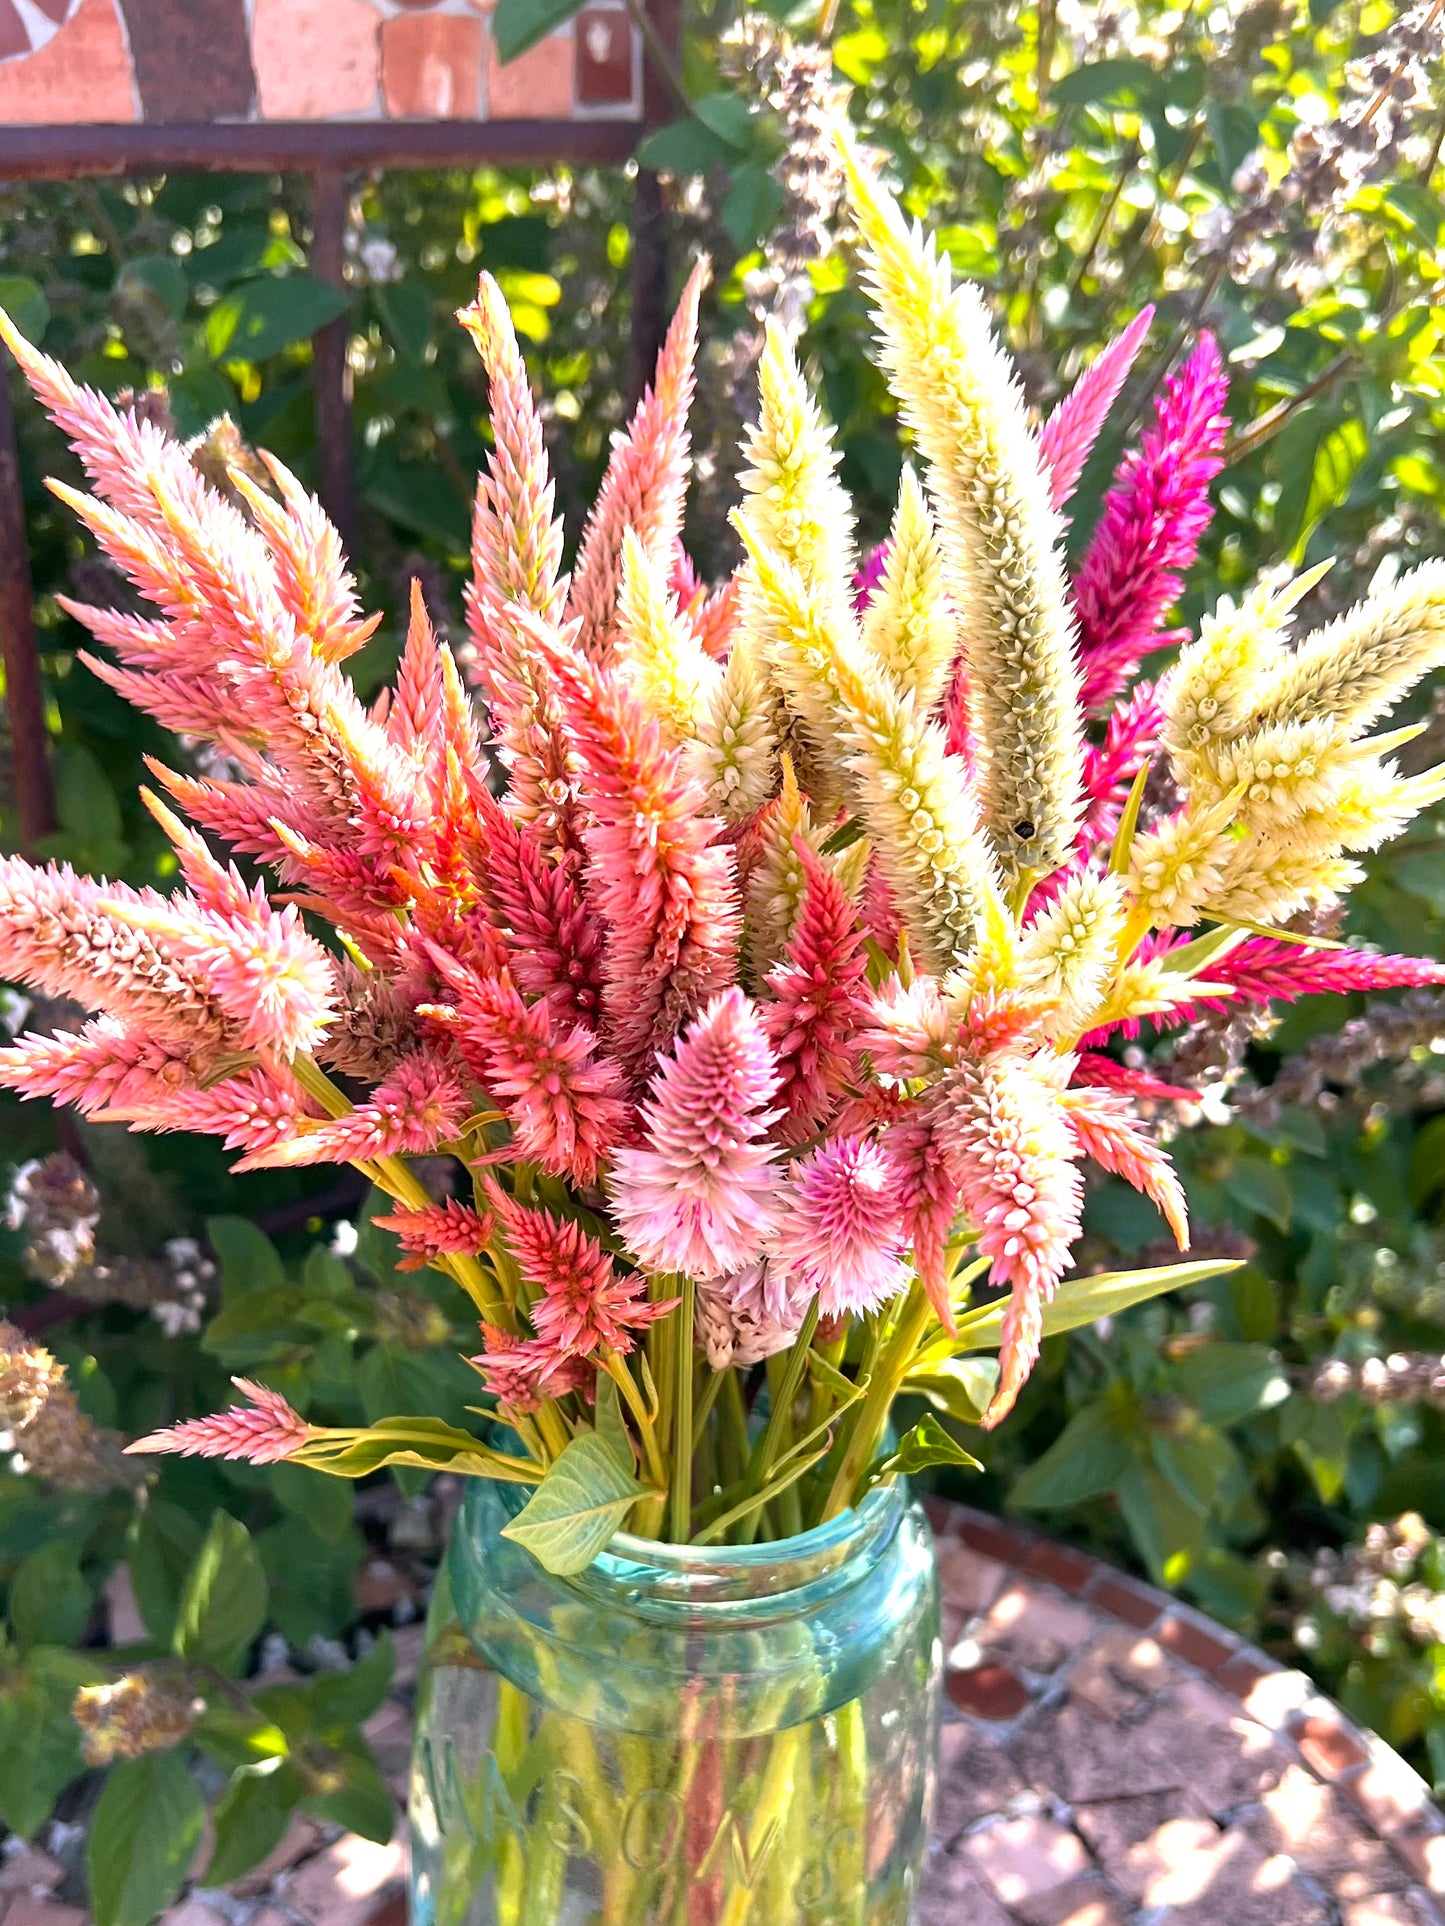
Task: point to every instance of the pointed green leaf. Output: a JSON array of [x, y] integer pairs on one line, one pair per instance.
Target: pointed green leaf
[[223, 1603], [926, 1444], [143, 1837], [251, 1817], [578, 1507], [1084, 1300], [1089, 1457], [611, 1428], [962, 1387]]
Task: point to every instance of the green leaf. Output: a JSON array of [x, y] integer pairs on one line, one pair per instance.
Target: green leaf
[[251, 1818], [684, 147], [520, 24], [610, 1426], [313, 1583], [143, 1837], [963, 1387], [155, 277], [926, 1444], [1168, 1531], [361, 1802], [25, 304], [1427, 1163], [1088, 1458], [250, 1262], [425, 1442], [262, 317], [325, 1275], [85, 801], [1227, 1382], [406, 314], [1084, 1300], [163, 1548], [578, 1507], [348, 1698], [255, 1329], [727, 116], [39, 1750], [1123, 80], [49, 1599], [751, 205], [223, 1603], [325, 1502]]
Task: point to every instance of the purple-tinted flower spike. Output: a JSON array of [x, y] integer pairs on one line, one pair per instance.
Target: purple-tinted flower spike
[[1067, 438], [1150, 526]]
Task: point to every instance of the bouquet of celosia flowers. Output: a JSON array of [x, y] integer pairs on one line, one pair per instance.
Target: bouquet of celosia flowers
[[767, 1001]]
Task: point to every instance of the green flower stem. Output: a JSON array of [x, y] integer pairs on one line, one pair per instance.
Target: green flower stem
[[732, 1431], [866, 1431], [703, 1407], [682, 1319], [780, 1418]]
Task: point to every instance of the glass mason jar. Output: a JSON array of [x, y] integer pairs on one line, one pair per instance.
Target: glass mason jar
[[680, 1735]]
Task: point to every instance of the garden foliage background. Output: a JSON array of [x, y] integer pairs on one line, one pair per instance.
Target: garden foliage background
[[1269, 170]]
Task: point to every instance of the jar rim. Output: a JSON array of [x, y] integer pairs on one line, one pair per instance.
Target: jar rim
[[626, 1548]]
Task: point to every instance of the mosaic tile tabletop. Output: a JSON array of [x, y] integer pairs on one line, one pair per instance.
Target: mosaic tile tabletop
[[194, 62]]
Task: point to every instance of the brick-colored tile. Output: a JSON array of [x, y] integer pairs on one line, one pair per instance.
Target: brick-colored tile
[[1035, 1628], [1195, 1640], [1137, 1840], [346, 1883], [1125, 1598], [1070, 1751], [991, 1692], [1119, 1673], [410, 1644], [1020, 1859], [26, 1909], [316, 61], [1307, 1819], [1391, 1795], [193, 1912], [431, 66], [1062, 1566], [975, 1778], [1423, 1851], [1232, 1883], [1083, 1902], [536, 85], [1390, 1909], [1328, 1744], [82, 74], [301, 1837], [951, 1893], [995, 1538], [1274, 1699], [29, 1871], [968, 1581], [1245, 1671], [941, 1513]]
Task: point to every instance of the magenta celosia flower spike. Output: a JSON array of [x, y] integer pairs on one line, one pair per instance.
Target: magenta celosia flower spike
[[840, 1227], [1149, 527], [699, 1196], [1068, 436], [264, 1433]]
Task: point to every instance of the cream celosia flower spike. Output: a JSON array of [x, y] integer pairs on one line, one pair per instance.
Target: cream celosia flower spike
[[658, 653], [1000, 532], [734, 754], [910, 625]]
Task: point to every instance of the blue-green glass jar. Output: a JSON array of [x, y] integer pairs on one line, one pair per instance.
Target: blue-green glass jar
[[681, 1735]]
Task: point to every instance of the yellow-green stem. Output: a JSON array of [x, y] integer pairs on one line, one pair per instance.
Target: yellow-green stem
[[867, 1429], [616, 1368], [682, 1406]]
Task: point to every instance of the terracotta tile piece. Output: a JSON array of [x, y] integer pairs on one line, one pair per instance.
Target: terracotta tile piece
[[29, 1871], [301, 1837], [1391, 1909], [1391, 1795], [995, 1538], [536, 85], [1062, 1566], [1327, 1743], [346, 1883], [1194, 1640], [1135, 1840], [1277, 1697], [313, 61], [1245, 1671], [1232, 1881], [1125, 1598], [83, 73], [1035, 1628], [951, 1893], [969, 1582], [1023, 1858], [193, 1912], [990, 1692], [975, 1778], [24, 1909], [1119, 1673], [1083, 1902], [604, 57], [431, 67], [1311, 1822]]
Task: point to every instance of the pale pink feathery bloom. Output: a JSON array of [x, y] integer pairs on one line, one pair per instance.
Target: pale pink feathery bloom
[[583, 1302], [660, 879], [566, 1104], [910, 1031], [645, 485], [414, 710], [1012, 1154], [1107, 1132], [253, 1111], [750, 1316], [840, 1227], [1149, 527], [417, 1107], [522, 1373], [554, 940], [1067, 438], [818, 1000], [447, 1229], [700, 1195], [1090, 1068], [266, 1432]]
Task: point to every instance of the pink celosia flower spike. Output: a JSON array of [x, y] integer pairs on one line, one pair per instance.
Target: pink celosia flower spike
[[1263, 970], [1011, 1150], [521, 1372], [1150, 526], [818, 1003], [928, 1196], [417, 1107], [265, 1434], [1107, 1073], [1068, 436], [645, 483], [1107, 1132], [554, 940], [840, 1228], [583, 1303], [700, 1197], [439, 1230]]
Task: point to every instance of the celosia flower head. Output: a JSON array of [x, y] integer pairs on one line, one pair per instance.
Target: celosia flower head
[[840, 1228], [699, 1195], [264, 1431]]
